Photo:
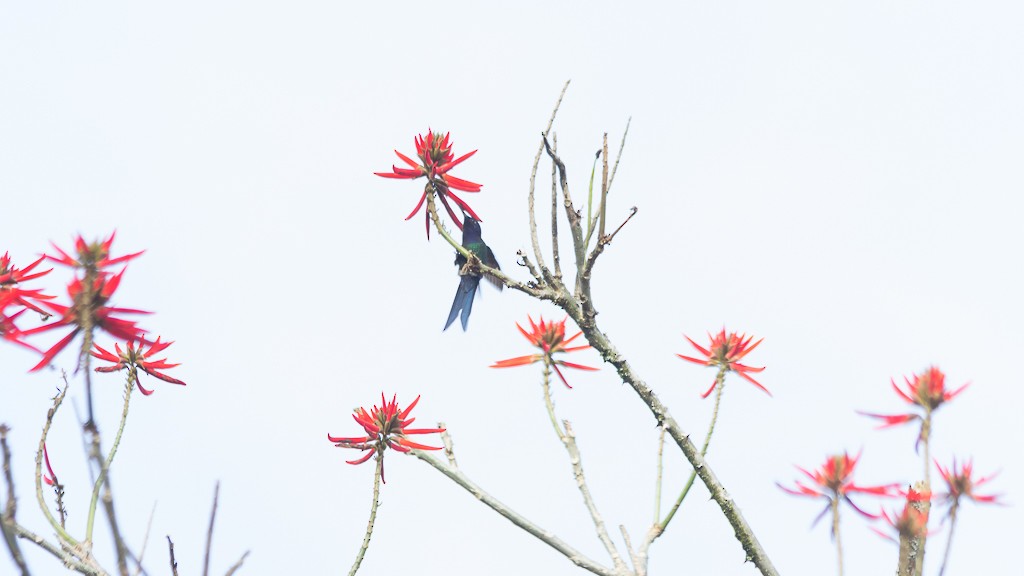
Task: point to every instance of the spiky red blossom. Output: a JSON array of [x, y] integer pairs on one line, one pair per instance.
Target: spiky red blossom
[[436, 159], [927, 390], [11, 293], [912, 522], [134, 359], [550, 338], [89, 310], [725, 352], [960, 483], [386, 426], [90, 255], [834, 481]]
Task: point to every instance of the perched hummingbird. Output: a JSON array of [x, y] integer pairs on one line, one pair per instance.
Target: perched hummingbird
[[470, 283]]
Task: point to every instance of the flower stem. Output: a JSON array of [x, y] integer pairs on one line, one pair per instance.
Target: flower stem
[[57, 527], [373, 516], [719, 387], [547, 399], [835, 533], [432, 210], [949, 541], [105, 464]]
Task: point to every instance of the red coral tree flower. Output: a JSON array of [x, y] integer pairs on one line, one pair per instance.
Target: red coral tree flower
[[11, 294], [550, 338], [926, 391], [89, 310], [90, 256], [386, 426], [134, 359], [436, 159], [725, 352], [960, 483], [833, 481]]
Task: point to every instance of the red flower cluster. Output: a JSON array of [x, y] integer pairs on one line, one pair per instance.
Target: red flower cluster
[[959, 483], [833, 481], [134, 359], [927, 390], [89, 294], [12, 294], [436, 159], [725, 352], [386, 426], [550, 338]]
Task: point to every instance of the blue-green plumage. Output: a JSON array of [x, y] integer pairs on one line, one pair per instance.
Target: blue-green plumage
[[470, 283]]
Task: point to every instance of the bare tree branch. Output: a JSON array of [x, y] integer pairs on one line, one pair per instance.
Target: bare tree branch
[[174, 563], [209, 531], [234, 568], [10, 507], [575, 556]]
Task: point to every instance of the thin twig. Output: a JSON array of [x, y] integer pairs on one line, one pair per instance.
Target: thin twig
[[449, 445], [209, 531], [622, 146], [949, 541], [554, 214], [570, 210], [145, 540], [588, 268], [569, 441], [574, 556], [546, 274], [603, 210], [174, 563], [373, 516], [234, 568], [638, 568], [10, 507]]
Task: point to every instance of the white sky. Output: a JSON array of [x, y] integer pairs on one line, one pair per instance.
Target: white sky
[[842, 179]]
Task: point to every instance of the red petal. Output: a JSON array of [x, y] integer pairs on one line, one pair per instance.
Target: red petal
[[460, 184], [518, 361], [754, 382], [695, 360], [697, 346], [52, 352], [576, 366]]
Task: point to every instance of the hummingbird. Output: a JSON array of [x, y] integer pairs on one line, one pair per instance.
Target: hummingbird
[[469, 282]]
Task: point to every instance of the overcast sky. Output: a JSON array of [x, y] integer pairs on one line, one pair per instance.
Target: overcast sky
[[842, 179]]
